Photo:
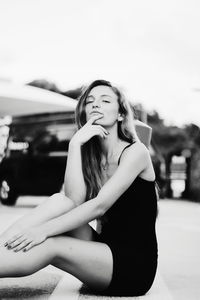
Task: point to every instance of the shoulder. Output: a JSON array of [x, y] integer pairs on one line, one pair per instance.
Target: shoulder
[[137, 151], [136, 148]]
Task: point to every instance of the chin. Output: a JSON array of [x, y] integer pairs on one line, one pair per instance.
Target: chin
[[99, 122]]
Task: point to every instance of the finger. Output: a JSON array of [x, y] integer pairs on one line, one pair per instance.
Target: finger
[[103, 136], [94, 118], [102, 128], [22, 246], [100, 133], [14, 238], [31, 245], [16, 243]]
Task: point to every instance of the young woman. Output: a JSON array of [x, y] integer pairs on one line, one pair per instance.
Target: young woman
[[109, 177]]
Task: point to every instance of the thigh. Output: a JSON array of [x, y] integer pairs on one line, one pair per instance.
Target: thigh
[[89, 261], [14, 264], [84, 232]]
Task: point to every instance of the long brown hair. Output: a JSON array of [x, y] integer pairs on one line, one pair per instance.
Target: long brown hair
[[91, 151]]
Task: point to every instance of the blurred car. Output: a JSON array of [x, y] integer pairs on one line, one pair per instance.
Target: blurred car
[[4, 134], [37, 152], [36, 155]]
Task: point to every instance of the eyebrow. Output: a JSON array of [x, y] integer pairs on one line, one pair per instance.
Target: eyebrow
[[100, 96], [106, 96], [90, 96]]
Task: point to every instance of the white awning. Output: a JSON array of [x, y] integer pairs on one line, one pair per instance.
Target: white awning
[[17, 100]]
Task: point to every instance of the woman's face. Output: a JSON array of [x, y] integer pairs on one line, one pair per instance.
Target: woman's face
[[102, 101]]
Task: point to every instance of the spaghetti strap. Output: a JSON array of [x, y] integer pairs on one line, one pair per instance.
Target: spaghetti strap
[[123, 151]]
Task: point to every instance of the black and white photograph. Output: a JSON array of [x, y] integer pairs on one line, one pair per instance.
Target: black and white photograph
[[99, 150]]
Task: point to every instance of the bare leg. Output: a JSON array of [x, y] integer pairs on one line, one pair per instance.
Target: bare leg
[[89, 261], [57, 205], [16, 264], [53, 207]]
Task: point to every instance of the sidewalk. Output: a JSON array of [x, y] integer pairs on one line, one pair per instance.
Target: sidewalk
[[178, 277], [178, 230]]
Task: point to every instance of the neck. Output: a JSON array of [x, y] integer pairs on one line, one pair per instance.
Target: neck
[[110, 143]]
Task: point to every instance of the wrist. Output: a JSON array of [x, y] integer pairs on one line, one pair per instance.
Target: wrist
[[74, 143]]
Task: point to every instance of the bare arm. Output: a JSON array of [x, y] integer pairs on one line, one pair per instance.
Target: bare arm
[[74, 185], [134, 162], [53, 207]]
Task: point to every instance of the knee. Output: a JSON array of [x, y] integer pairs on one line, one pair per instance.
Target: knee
[[57, 197], [61, 198]]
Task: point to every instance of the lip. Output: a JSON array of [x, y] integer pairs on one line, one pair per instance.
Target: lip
[[96, 112]]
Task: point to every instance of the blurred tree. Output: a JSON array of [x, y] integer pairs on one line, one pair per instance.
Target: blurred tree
[[173, 140], [170, 140], [193, 162], [44, 84], [193, 132], [154, 118], [50, 86], [75, 93]]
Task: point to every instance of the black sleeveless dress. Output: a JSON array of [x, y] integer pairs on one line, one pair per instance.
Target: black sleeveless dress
[[128, 228]]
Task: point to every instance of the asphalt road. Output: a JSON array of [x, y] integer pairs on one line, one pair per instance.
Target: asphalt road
[[178, 231]]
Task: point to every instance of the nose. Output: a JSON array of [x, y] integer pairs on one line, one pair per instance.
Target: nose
[[96, 104]]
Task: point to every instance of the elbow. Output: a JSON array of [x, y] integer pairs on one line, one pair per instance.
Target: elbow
[[100, 209], [77, 198], [100, 212]]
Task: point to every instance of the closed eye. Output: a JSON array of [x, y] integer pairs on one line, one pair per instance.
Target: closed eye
[[89, 101]]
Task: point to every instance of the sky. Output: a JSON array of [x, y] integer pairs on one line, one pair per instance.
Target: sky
[[150, 49]]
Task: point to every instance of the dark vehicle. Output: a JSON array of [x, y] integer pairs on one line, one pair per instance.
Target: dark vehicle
[[37, 152], [36, 156]]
